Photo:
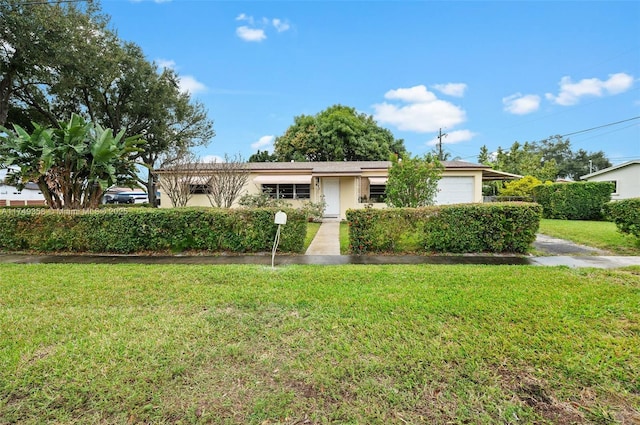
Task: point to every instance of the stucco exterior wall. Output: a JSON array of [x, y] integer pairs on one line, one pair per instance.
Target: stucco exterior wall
[[350, 186], [627, 181]]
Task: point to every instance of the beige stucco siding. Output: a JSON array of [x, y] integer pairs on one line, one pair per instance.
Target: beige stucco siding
[[353, 181]]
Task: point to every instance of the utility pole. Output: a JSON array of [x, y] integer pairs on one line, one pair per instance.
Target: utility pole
[[440, 153]]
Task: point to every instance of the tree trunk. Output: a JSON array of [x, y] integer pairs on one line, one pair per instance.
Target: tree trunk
[[5, 94]]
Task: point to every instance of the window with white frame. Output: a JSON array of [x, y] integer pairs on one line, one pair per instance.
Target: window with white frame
[[287, 190]]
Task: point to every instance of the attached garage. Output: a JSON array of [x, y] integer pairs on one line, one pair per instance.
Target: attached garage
[[455, 190]]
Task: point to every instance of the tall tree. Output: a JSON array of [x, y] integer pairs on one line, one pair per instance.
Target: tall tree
[[413, 182], [339, 133], [105, 80], [73, 163], [39, 42]]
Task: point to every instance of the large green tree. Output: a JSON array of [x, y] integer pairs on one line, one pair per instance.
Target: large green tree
[[413, 182], [91, 72], [339, 133], [72, 163], [39, 43]]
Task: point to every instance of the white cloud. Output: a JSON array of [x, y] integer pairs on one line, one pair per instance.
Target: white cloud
[[250, 34], [256, 29], [571, 93], [451, 89], [189, 84], [279, 25], [264, 142], [166, 63], [520, 104], [454, 137], [423, 113]]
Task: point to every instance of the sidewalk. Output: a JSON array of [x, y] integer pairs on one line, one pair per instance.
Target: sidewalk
[[325, 250]]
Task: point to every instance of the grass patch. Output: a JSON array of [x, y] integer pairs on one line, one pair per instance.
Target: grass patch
[[312, 230], [344, 344], [598, 234], [344, 237]]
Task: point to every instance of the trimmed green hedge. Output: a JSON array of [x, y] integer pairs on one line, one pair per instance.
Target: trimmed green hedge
[[465, 228], [573, 201], [625, 214], [131, 230]]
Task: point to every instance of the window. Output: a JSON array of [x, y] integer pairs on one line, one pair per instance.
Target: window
[[287, 191], [377, 193], [615, 186], [199, 189]]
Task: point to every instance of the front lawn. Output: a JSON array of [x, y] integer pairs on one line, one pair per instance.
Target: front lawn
[[598, 234], [318, 344]]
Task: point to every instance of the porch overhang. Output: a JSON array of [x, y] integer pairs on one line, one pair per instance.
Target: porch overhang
[[493, 175]]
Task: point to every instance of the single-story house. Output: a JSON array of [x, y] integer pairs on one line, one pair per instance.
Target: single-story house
[[625, 177], [10, 195], [344, 185]]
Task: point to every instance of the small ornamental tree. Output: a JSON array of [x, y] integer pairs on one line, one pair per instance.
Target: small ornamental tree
[[413, 182]]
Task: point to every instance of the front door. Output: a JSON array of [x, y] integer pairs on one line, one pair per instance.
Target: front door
[[331, 192]]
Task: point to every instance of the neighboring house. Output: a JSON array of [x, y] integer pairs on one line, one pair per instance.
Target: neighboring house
[[11, 196], [625, 177], [345, 185]]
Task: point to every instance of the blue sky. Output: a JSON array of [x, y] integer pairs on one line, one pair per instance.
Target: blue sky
[[487, 73]]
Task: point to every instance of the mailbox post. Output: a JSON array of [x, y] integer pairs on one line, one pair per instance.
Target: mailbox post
[[280, 220]]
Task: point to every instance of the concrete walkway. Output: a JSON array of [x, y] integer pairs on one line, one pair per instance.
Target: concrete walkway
[[327, 240]]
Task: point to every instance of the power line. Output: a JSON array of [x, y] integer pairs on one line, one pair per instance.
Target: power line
[[600, 126]]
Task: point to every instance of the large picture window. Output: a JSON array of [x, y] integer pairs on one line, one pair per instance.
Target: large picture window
[[287, 191]]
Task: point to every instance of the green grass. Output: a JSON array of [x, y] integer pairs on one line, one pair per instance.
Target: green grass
[[598, 234], [344, 238], [312, 229], [346, 344]]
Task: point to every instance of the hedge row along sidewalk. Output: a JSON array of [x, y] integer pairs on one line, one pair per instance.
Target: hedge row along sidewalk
[[464, 228], [137, 230]]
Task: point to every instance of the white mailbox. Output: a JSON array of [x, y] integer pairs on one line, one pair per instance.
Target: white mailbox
[[281, 218]]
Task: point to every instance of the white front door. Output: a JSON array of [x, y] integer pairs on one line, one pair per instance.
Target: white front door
[[331, 192]]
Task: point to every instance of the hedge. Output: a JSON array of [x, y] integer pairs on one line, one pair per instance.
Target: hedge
[[625, 214], [131, 230], [465, 228], [573, 201]]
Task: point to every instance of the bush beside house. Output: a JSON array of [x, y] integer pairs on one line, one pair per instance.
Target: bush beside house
[[625, 214], [573, 201], [468, 228], [131, 230]]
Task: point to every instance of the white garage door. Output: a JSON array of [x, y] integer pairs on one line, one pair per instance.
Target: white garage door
[[455, 190]]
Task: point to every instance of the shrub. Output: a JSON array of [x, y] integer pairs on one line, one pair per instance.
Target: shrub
[[574, 201], [465, 228], [522, 188], [625, 214], [131, 230]]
